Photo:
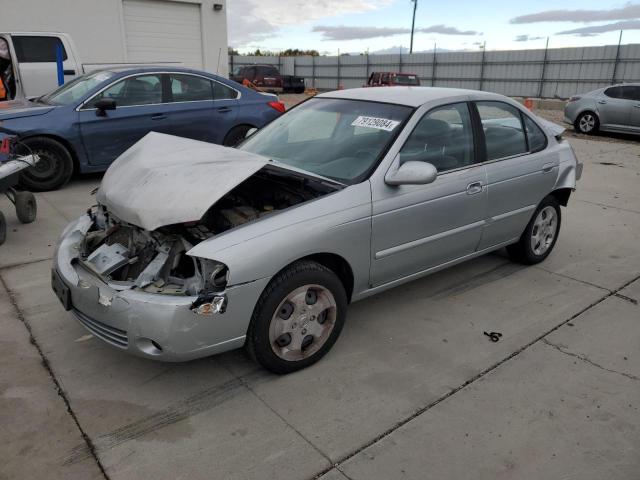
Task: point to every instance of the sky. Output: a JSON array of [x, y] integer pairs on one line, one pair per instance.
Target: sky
[[383, 26]]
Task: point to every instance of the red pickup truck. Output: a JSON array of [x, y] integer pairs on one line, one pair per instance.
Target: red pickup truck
[[392, 79]]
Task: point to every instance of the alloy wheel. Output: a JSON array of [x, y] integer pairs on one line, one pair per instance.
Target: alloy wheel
[[587, 123]]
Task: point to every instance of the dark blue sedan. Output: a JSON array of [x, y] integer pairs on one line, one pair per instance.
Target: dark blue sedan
[[87, 123]]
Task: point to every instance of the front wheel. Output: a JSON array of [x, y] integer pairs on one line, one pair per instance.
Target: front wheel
[[298, 318], [587, 123], [53, 170], [541, 234]]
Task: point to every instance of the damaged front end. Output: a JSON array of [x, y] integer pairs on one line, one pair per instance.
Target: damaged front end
[[126, 256], [127, 269]]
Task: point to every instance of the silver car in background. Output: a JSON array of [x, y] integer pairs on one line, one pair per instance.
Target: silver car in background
[[610, 109], [194, 249]]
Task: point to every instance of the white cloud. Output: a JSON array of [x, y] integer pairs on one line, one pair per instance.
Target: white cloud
[[526, 38], [629, 11], [252, 21], [343, 32], [598, 29]]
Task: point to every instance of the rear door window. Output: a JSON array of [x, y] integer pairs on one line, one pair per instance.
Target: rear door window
[[37, 49], [613, 92], [630, 92], [268, 72], [503, 132]]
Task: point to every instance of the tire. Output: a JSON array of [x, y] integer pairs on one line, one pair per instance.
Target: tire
[[587, 123], [236, 135], [3, 228], [54, 168], [26, 207], [288, 315], [540, 236]]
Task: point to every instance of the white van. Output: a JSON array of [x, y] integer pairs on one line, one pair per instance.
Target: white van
[[31, 68], [33, 62]]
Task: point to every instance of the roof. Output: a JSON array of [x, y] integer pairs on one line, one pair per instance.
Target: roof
[[118, 68], [410, 96]]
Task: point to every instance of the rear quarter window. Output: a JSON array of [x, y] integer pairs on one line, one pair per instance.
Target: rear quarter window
[[613, 92], [536, 137]]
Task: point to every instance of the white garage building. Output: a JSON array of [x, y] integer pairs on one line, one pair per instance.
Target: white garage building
[[190, 32]]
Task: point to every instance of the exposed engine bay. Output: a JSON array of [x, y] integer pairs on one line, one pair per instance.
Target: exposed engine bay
[[126, 256]]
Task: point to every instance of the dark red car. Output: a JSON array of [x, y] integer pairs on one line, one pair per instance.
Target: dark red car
[[392, 79]]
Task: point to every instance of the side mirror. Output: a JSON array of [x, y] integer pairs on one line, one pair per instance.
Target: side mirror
[[250, 132], [412, 173], [103, 105]]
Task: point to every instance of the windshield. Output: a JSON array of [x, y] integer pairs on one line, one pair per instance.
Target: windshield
[[75, 90], [406, 80], [339, 139]]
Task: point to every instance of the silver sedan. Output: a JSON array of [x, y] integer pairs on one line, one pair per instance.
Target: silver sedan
[[194, 249], [610, 109]]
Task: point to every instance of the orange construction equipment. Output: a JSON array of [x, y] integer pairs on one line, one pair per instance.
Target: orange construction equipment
[[528, 103], [249, 84]]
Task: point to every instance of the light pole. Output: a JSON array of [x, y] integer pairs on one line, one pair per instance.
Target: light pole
[[413, 24]]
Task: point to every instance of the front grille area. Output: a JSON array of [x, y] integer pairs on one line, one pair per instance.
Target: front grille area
[[109, 334]]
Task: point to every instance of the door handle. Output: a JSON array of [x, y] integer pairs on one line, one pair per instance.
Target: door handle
[[636, 106], [68, 72], [474, 187], [158, 116], [224, 109], [602, 102], [547, 167]]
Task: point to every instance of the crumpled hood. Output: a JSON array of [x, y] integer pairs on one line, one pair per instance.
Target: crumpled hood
[[22, 108], [163, 180]]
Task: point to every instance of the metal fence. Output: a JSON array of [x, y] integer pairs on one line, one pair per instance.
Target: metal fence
[[543, 73]]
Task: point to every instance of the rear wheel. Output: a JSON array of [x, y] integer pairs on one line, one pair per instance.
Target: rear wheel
[[298, 318], [541, 234], [236, 135], [54, 168], [587, 123]]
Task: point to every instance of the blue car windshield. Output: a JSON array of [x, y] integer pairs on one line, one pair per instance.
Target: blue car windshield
[[76, 89], [334, 138]]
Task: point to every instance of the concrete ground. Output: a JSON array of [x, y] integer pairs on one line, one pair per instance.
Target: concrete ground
[[412, 389]]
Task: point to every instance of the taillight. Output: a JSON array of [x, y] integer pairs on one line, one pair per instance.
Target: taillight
[[573, 99], [279, 106]]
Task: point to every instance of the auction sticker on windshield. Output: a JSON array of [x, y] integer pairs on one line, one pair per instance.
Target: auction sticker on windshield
[[375, 122]]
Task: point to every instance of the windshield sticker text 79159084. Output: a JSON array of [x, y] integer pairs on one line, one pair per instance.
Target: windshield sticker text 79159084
[[374, 122]]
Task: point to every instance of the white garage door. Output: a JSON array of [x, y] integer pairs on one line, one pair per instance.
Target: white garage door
[[163, 31]]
